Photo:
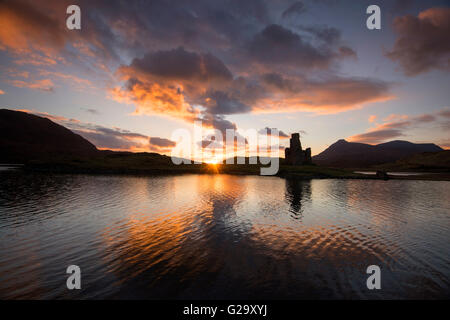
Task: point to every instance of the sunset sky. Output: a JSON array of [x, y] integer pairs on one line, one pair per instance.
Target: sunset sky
[[138, 70]]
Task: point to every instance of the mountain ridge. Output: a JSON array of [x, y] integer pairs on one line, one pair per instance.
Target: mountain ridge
[[25, 137], [346, 154]]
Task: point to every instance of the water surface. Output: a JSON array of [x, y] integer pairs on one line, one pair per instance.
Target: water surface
[[222, 236]]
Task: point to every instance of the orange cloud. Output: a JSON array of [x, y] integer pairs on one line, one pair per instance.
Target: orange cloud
[[423, 42], [24, 28], [2, 92], [71, 78], [332, 96], [154, 98], [43, 85], [395, 125], [372, 118]]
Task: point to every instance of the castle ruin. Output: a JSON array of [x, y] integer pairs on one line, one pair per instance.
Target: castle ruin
[[294, 155]]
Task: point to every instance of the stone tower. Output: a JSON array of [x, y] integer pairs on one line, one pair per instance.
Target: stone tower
[[294, 155]]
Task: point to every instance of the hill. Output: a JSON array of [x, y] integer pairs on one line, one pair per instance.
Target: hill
[[344, 154], [25, 137], [426, 161]]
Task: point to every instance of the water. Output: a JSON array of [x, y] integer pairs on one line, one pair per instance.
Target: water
[[406, 174], [221, 236]]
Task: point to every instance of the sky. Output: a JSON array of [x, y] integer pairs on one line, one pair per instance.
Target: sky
[[137, 71]]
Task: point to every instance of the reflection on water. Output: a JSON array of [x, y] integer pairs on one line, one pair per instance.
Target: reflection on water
[[296, 192], [405, 174], [221, 236]]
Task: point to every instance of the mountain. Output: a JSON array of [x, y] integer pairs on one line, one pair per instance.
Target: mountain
[[344, 154], [25, 137]]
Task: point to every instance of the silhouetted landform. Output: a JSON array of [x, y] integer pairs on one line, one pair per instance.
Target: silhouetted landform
[[25, 137], [426, 161], [44, 146], [295, 155], [343, 154]]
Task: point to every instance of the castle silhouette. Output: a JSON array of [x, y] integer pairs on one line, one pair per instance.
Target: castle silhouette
[[294, 155]]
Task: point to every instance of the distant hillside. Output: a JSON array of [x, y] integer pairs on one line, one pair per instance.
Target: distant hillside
[[343, 154], [428, 161], [25, 137]]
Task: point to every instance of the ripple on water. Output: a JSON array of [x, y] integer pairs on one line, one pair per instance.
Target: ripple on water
[[220, 236]]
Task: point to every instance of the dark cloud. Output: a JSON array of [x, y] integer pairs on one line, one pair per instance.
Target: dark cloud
[[295, 9], [210, 144], [162, 142], [377, 136], [268, 131], [218, 122], [221, 102], [423, 42], [278, 45], [105, 138], [278, 82], [179, 64], [327, 34]]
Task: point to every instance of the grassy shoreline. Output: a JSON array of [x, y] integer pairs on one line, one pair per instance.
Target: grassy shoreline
[[152, 168]]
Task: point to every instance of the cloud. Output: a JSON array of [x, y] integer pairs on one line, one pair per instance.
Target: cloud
[[423, 42], [161, 145], [42, 85], [110, 138], [210, 144], [24, 27], [329, 35], [155, 98], [347, 52], [278, 45], [220, 102], [217, 122], [395, 126], [296, 8], [268, 131], [170, 82], [162, 142], [113, 139], [2, 92], [180, 65], [372, 118], [376, 136], [401, 6], [382, 132], [202, 60], [445, 112], [81, 82], [425, 118], [91, 111], [333, 95]]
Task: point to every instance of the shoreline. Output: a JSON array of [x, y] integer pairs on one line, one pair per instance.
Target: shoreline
[[288, 172]]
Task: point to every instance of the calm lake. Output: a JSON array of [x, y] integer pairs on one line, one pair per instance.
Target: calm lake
[[222, 236]]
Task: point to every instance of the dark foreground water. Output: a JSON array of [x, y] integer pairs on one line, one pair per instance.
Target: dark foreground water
[[220, 236]]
